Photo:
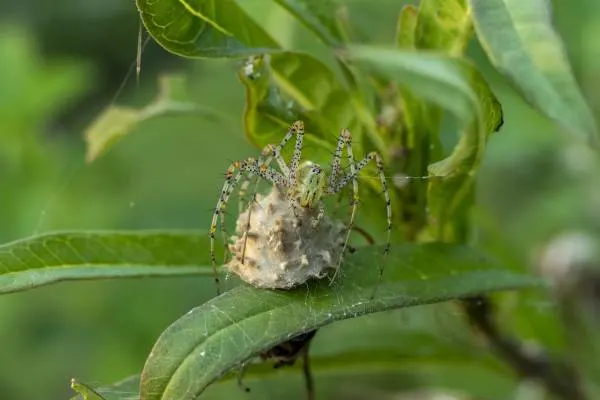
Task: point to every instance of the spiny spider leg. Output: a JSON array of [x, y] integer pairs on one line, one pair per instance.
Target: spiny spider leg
[[320, 215], [345, 140], [241, 197], [232, 177], [251, 178], [337, 158], [297, 128], [352, 176], [268, 153], [275, 151], [335, 170], [245, 183]]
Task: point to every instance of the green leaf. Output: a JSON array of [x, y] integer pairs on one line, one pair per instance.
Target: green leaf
[[85, 391], [118, 121], [62, 256], [443, 25], [407, 24], [127, 389], [319, 16], [421, 120], [213, 338], [433, 77], [108, 127], [472, 144], [291, 86], [520, 41], [449, 199], [423, 337], [203, 28], [426, 340], [456, 86], [267, 113], [233, 28]]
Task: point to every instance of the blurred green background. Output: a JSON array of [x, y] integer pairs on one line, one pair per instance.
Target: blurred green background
[[62, 63]]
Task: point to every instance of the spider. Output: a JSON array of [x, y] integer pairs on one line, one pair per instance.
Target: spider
[[305, 184]]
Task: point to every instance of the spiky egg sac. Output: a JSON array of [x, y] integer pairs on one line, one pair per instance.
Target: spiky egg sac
[[282, 248]]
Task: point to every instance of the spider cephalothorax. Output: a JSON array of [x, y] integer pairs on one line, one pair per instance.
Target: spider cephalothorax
[[312, 184], [304, 184]]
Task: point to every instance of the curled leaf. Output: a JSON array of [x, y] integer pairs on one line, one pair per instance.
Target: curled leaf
[[85, 391], [118, 121]]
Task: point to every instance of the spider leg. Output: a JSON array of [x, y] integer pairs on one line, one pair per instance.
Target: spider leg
[[265, 159], [251, 178], [337, 157], [242, 192], [297, 128], [232, 177], [243, 202], [346, 140], [320, 215], [275, 151], [354, 171], [239, 377], [268, 153], [336, 167], [243, 185], [242, 197], [291, 172], [271, 151]]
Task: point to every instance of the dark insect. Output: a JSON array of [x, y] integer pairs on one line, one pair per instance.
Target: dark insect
[[286, 354]]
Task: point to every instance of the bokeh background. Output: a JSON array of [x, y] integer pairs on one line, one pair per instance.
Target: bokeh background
[[63, 62]]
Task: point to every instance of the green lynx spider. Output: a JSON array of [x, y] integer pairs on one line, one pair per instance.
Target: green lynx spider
[[305, 184]]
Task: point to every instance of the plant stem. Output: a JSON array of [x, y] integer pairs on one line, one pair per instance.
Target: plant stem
[[558, 377]]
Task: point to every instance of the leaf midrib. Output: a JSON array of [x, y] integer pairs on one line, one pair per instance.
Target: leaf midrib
[[400, 302]]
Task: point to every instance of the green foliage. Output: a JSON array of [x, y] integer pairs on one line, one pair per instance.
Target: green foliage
[[215, 337], [31, 91], [117, 121], [520, 41], [318, 16], [24, 75], [443, 25], [198, 33], [44, 259], [117, 391], [403, 98], [86, 392], [229, 29], [413, 341], [456, 86]]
